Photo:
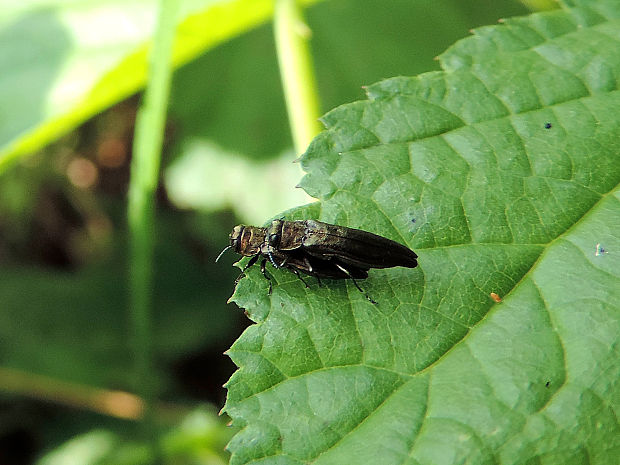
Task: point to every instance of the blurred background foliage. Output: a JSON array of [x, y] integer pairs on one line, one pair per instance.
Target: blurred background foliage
[[64, 329]]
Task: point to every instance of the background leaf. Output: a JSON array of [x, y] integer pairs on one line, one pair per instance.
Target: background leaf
[[502, 173], [92, 54]]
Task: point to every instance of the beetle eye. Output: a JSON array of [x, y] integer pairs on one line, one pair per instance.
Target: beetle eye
[[273, 240]]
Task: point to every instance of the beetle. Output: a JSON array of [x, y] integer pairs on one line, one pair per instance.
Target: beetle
[[318, 249]]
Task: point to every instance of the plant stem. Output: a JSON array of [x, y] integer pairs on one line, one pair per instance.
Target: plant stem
[[148, 138], [296, 70], [118, 404]]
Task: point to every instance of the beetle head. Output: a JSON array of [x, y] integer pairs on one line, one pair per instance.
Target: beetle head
[[235, 241], [246, 240]]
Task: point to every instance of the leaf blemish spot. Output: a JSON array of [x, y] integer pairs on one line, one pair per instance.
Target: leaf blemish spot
[[599, 250], [548, 126]]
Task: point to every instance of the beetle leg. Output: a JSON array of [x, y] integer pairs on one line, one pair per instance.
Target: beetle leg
[[345, 271], [264, 271], [300, 278], [311, 270], [308, 264], [252, 261]]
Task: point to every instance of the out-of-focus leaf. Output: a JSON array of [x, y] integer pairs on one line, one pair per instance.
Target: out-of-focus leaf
[[502, 173], [90, 447], [208, 178], [198, 439], [64, 62]]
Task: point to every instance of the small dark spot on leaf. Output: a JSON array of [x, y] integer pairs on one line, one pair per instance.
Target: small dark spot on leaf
[[547, 125], [547, 383], [599, 250]]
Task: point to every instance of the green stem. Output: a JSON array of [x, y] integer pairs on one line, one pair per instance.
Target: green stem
[[297, 73], [148, 138]]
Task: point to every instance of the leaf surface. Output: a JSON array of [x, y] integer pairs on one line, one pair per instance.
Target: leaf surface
[[501, 172]]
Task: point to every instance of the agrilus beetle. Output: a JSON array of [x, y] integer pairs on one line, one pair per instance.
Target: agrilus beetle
[[319, 249]]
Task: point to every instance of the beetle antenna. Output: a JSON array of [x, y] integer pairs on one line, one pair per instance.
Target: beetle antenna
[[222, 253], [273, 262]]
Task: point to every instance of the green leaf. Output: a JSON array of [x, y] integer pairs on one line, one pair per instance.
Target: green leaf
[[64, 62], [501, 172], [197, 437]]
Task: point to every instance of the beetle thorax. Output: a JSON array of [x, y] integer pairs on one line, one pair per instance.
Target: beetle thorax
[[274, 233]]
